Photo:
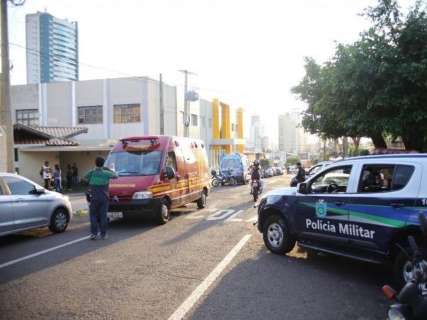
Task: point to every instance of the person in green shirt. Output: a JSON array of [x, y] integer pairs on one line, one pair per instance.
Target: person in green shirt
[[98, 180]]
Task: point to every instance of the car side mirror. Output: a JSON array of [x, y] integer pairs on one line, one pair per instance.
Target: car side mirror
[[38, 191], [302, 188], [170, 172]]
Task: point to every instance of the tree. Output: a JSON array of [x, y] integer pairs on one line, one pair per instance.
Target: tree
[[374, 87]]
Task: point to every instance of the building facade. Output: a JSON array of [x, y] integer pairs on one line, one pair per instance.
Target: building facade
[[109, 109], [287, 133], [52, 48]]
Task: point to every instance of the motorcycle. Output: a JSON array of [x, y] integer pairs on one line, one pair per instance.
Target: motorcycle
[[411, 301], [221, 179], [256, 189]]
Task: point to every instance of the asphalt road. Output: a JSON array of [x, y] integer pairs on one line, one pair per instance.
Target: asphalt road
[[209, 264]]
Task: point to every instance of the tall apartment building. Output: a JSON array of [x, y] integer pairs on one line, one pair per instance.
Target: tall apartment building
[[256, 133], [287, 133], [52, 48]]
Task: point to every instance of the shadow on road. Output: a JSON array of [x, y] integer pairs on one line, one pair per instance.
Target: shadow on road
[[296, 287], [40, 239]]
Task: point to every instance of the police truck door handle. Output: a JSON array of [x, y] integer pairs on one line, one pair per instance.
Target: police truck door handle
[[339, 203], [397, 205]]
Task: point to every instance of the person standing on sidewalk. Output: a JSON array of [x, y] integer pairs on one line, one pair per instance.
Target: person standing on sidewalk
[[46, 175], [69, 176], [75, 175], [57, 178], [98, 180]]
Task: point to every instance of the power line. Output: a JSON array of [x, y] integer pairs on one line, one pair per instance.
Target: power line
[[90, 65]]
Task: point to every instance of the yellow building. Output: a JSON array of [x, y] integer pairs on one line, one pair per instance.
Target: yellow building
[[227, 131]]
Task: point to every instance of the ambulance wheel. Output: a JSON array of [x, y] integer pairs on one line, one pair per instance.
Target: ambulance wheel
[[201, 203], [162, 213], [277, 237], [402, 269]]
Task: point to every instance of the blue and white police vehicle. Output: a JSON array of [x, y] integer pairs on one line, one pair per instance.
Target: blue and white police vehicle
[[362, 208]]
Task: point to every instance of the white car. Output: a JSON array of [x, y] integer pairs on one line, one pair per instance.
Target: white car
[[26, 205], [318, 167]]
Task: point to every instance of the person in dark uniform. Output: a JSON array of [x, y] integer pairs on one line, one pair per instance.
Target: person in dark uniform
[[98, 180], [300, 177]]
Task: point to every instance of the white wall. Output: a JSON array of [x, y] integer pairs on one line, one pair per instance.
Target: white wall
[[24, 97], [170, 110], [59, 103]]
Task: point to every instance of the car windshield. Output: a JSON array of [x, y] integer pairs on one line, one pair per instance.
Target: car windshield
[[230, 164], [135, 163]]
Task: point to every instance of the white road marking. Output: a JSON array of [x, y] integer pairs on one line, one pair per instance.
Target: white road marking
[[233, 218], [197, 214], [201, 288], [12, 262], [220, 214]]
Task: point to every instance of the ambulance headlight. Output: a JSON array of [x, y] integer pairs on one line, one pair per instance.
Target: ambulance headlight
[[141, 195], [395, 314]]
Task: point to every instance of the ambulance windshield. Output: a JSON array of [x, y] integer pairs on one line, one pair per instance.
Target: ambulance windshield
[[135, 163]]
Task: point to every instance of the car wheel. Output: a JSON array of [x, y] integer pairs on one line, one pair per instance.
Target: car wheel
[[201, 203], [163, 214], [402, 269], [59, 220], [277, 237]]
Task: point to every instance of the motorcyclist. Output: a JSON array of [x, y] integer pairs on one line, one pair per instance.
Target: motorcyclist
[[255, 174]]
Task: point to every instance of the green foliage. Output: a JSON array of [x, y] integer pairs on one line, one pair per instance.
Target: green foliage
[[376, 86], [292, 160], [265, 163]]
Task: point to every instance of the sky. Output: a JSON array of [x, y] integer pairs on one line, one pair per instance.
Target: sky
[[245, 52]]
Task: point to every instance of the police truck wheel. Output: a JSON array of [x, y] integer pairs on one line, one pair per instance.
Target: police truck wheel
[[402, 269], [276, 235], [201, 203], [163, 214], [59, 220]]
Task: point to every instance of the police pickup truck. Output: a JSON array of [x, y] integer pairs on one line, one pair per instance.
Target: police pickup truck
[[362, 208]]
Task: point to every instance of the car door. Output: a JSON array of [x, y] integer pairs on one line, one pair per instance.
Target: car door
[[31, 209], [175, 193], [324, 209], [7, 215], [384, 201]]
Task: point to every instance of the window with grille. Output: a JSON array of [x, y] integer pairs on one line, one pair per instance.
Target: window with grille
[[126, 113], [28, 117], [89, 114]]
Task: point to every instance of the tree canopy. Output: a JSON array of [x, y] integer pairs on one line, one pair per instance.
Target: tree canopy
[[376, 86]]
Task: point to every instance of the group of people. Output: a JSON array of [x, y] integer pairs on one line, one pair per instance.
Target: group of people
[[53, 177]]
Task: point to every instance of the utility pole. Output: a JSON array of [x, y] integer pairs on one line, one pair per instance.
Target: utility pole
[[186, 106], [5, 112], [162, 107]]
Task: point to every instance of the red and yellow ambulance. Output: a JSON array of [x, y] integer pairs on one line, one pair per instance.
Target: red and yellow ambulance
[[157, 174]]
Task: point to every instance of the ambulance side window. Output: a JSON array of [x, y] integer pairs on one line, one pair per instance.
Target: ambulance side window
[[171, 160]]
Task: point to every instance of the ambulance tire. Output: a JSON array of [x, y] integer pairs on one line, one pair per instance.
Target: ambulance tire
[[277, 236], [201, 203], [162, 213]]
